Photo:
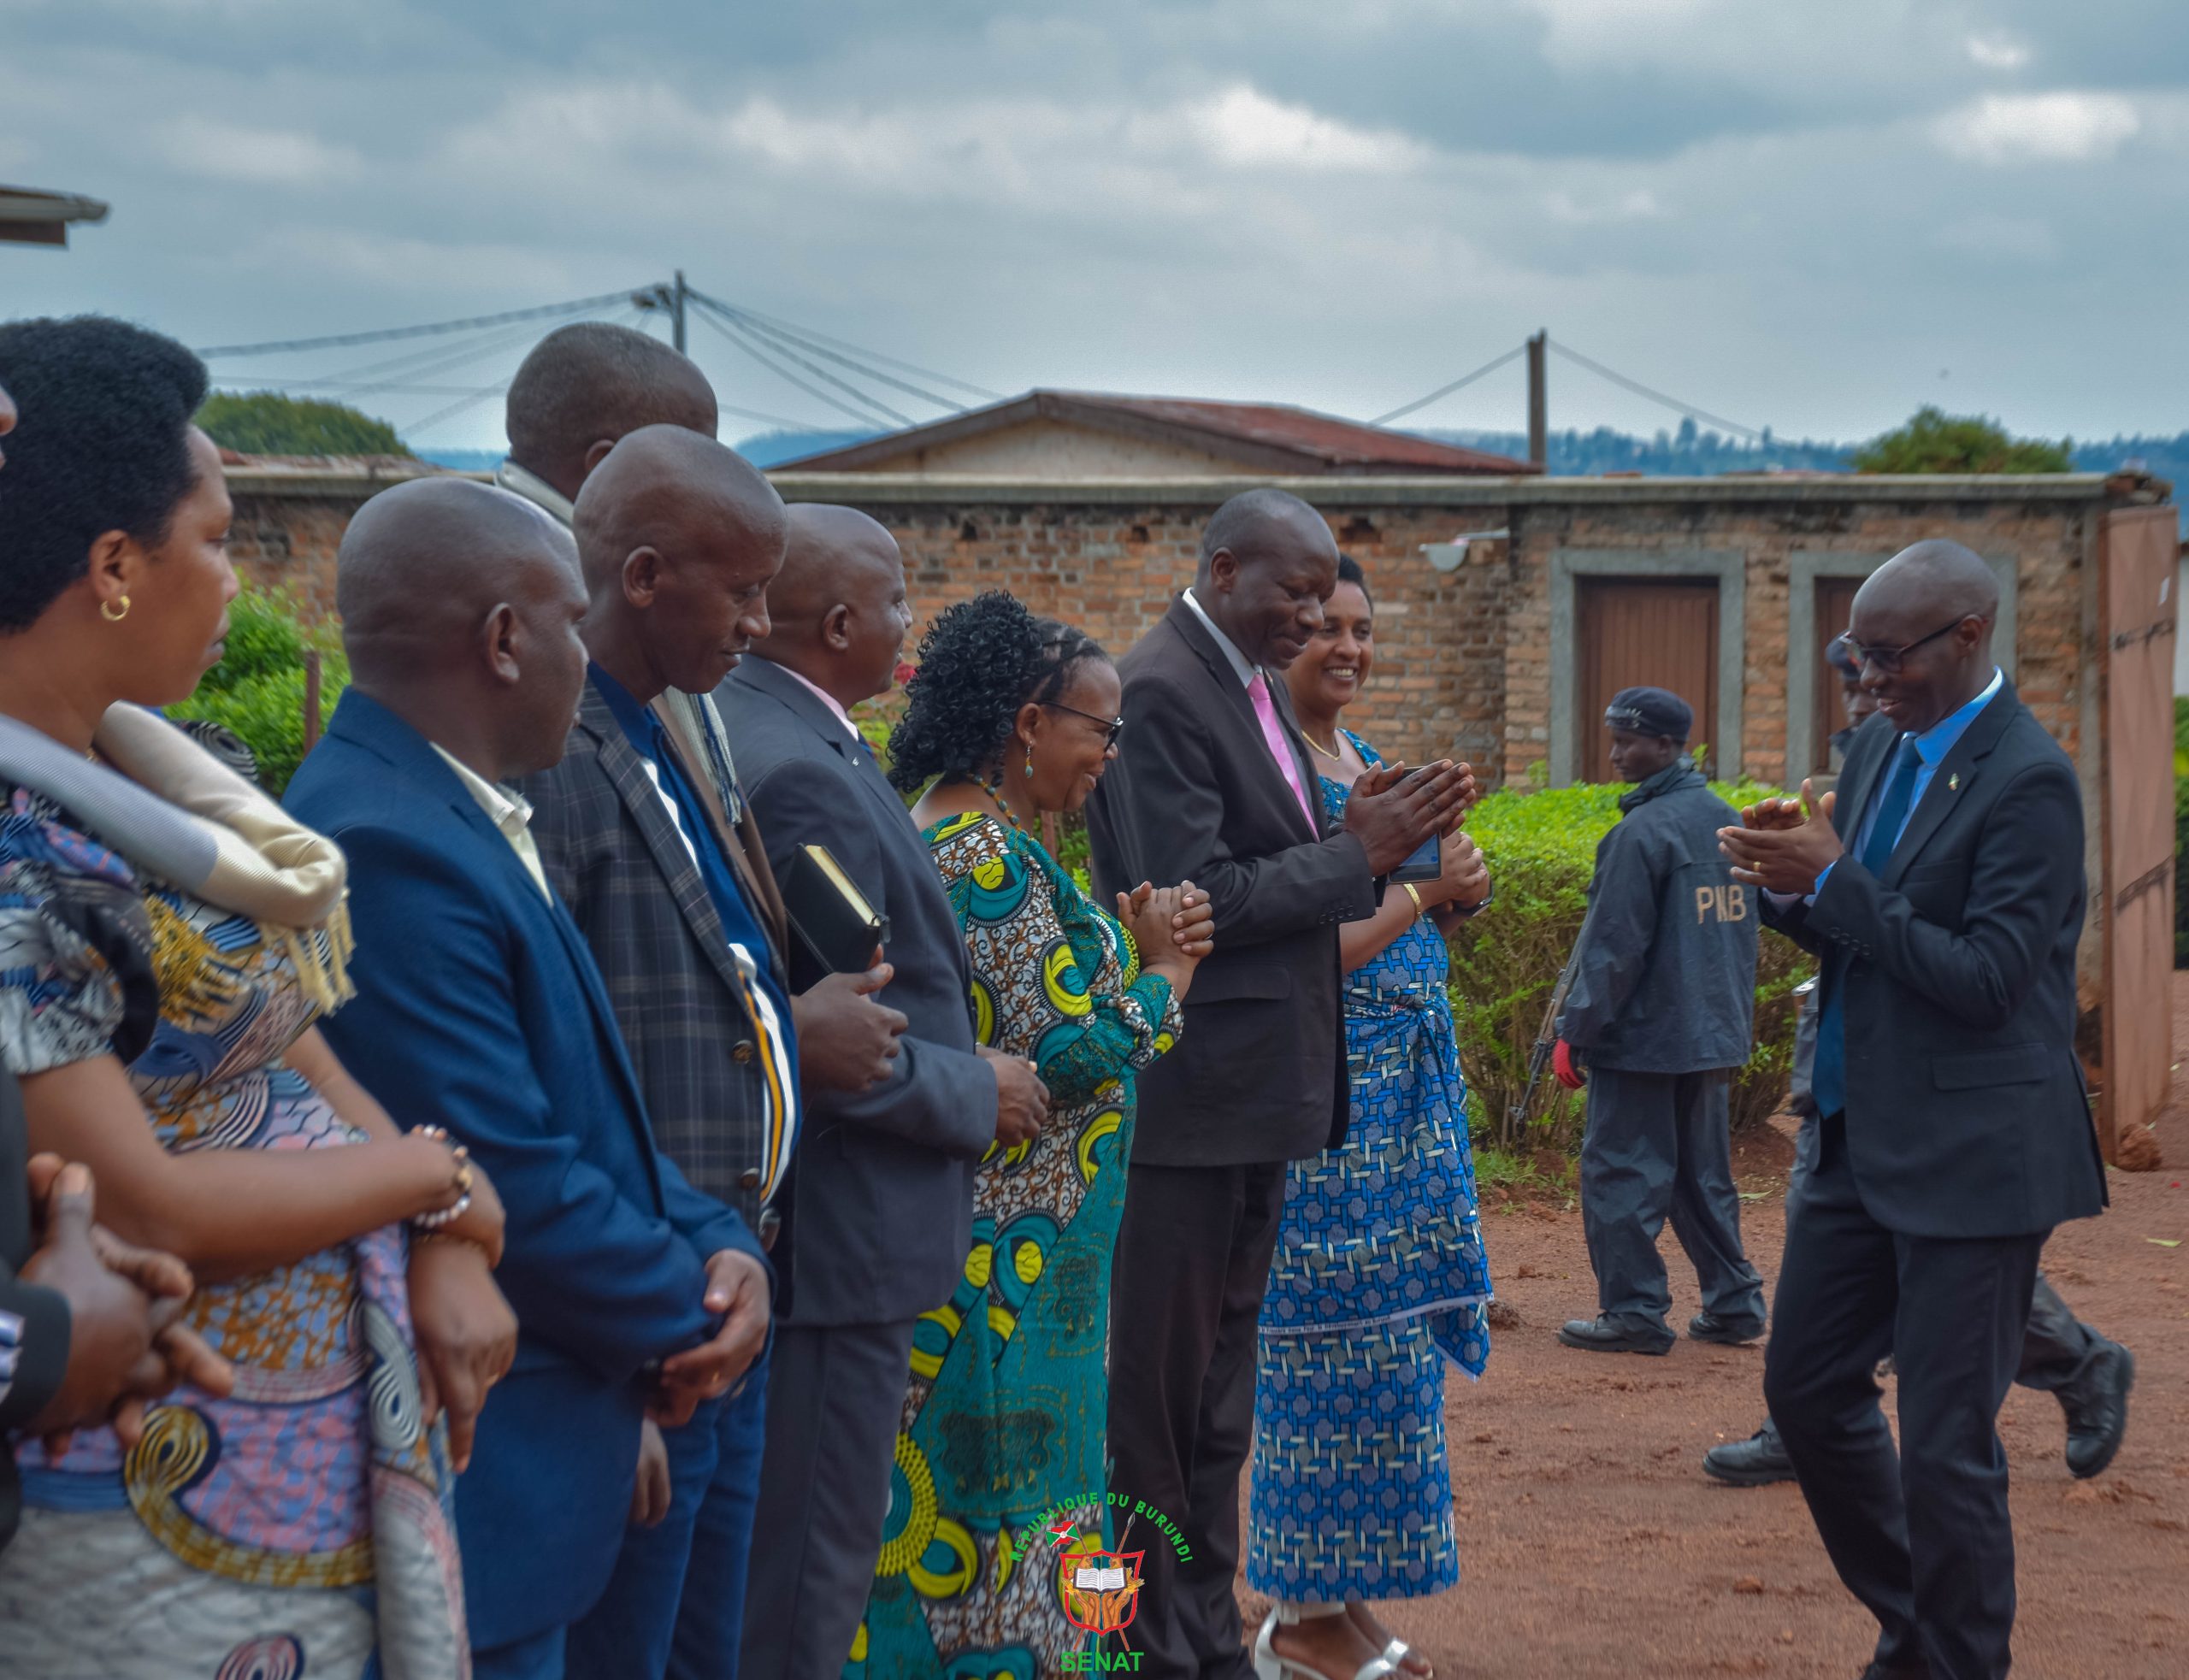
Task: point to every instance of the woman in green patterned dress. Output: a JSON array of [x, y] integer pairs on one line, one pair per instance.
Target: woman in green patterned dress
[[1013, 718]]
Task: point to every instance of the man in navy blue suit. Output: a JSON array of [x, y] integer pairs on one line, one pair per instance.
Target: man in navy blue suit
[[479, 1008], [1941, 888]]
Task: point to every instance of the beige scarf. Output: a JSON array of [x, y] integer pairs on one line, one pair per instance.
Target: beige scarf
[[215, 835]]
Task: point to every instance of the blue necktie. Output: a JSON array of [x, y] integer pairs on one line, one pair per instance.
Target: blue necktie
[[1829, 1074]]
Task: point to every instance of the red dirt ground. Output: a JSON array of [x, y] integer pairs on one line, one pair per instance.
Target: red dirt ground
[[1593, 1545]]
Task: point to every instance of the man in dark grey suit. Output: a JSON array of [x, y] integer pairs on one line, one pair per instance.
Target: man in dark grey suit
[[679, 539], [878, 1219], [1214, 785], [1942, 888]]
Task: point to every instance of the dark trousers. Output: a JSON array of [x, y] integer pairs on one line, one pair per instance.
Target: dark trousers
[[1921, 1536], [2057, 1347], [1658, 1147], [1186, 1290], [675, 1603], [836, 1394]]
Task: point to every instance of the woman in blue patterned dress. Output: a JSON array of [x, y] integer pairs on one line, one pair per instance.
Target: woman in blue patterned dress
[[1012, 717], [1379, 1277], [168, 937]]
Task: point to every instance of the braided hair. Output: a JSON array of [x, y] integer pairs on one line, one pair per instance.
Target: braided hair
[[979, 663]]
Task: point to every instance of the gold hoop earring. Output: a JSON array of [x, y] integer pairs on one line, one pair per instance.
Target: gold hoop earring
[[107, 609]]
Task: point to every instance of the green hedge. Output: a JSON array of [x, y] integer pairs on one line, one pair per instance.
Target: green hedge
[[1541, 847], [257, 690]]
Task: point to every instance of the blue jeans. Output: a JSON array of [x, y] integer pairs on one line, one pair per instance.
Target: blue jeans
[[646, 1626]]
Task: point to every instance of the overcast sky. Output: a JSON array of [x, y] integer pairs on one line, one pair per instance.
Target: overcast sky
[[1809, 214]]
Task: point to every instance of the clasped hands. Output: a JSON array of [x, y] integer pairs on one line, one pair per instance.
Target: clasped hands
[[737, 1287], [1394, 809], [1782, 844], [127, 1343]]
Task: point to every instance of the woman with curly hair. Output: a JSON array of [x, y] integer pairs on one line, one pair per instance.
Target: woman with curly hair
[[1013, 718], [170, 937]]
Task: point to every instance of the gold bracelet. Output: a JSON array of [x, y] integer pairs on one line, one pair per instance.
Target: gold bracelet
[[1420, 908]]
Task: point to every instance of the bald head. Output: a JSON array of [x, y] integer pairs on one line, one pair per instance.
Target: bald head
[[1256, 520], [586, 386], [1922, 630], [1938, 580], [665, 487], [1268, 562], [459, 605], [680, 539], [836, 554], [840, 609]]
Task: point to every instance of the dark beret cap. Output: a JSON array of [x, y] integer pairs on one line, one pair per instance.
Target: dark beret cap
[[1650, 711]]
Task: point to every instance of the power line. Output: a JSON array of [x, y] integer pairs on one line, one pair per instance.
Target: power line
[[1447, 390], [722, 326], [875, 403], [575, 306], [395, 386], [876, 355], [631, 312], [757, 324], [1642, 390]]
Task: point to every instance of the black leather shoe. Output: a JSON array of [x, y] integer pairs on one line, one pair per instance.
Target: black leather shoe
[[2096, 1405], [1709, 1326], [1604, 1333], [1756, 1462]]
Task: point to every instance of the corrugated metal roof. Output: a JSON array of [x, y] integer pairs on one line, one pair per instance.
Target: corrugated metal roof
[[1342, 443], [1274, 437]]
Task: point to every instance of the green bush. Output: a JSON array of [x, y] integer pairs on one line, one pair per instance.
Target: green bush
[[1541, 848], [257, 690]]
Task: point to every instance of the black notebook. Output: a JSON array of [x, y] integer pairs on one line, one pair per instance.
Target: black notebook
[[830, 914]]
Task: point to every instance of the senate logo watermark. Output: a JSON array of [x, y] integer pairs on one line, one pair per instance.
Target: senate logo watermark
[[1099, 1585]]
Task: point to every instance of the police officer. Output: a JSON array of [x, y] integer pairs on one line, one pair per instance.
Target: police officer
[[1662, 1010]]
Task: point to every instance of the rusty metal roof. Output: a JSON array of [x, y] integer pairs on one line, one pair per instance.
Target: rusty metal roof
[[1273, 437]]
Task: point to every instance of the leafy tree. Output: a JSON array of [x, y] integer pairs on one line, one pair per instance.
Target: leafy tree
[[265, 423], [1934, 441]]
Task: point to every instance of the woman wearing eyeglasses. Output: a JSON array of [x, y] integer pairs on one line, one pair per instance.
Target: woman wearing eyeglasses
[[1011, 718]]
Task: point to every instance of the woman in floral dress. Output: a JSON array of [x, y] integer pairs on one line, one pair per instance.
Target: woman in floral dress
[[1011, 718]]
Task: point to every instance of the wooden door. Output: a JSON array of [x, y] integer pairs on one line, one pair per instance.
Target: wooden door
[[1661, 633], [2138, 561], [1835, 610]]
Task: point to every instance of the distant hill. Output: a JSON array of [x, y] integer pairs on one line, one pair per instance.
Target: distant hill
[[772, 448], [1693, 453], [463, 460]]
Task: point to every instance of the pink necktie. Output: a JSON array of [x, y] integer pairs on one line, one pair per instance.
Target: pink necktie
[[1279, 748]]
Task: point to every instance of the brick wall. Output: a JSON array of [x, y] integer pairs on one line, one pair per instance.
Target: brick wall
[[1464, 660]]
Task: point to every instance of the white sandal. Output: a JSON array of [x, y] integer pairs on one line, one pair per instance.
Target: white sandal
[[1268, 1665], [1395, 1654]]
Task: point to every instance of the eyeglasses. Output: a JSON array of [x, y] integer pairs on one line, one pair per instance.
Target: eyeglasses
[[1111, 728], [1889, 660]]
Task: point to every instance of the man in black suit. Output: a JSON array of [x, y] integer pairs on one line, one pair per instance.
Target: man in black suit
[[1213, 784], [1941, 888], [880, 1198]]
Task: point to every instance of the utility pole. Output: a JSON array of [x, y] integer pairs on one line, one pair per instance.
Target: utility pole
[[1538, 408], [680, 291]]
